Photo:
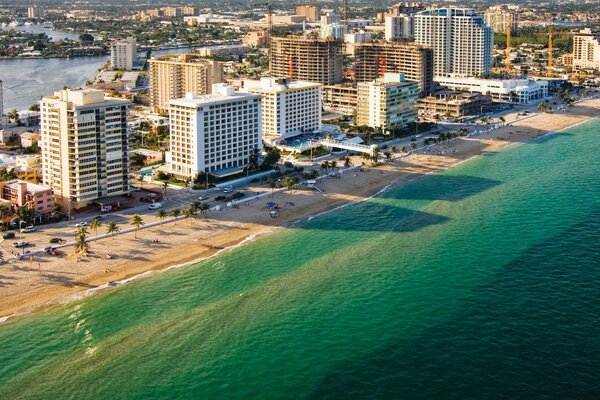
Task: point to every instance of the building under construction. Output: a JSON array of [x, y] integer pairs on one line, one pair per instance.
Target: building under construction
[[374, 59], [307, 59]]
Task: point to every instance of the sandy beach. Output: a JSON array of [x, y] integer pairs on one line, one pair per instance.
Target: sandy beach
[[46, 281]]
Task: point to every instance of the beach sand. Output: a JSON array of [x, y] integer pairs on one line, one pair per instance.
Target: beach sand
[[46, 281]]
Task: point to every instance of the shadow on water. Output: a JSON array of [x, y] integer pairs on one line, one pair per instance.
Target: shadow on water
[[526, 333], [447, 187]]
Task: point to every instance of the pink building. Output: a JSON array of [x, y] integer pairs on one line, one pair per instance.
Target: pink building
[[21, 194]]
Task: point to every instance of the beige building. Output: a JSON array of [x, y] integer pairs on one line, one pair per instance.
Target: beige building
[[85, 146], [256, 39], [340, 98], [498, 19], [586, 50], [189, 11], [452, 105], [387, 103], [26, 194], [414, 61], [171, 77], [171, 11], [123, 54], [307, 59], [309, 11]]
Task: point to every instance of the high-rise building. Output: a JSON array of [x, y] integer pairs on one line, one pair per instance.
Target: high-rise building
[[399, 27], [215, 133], [35, 12], [288, 108], [387, 103], [415, 62], [333, 31], [85, 146], [498, 19], [172, 11], [171, 77], [189, 11], [330, 18], [586, 50], [306, 59], [406, 8], [461, 41], [123, 53], [309, 11]]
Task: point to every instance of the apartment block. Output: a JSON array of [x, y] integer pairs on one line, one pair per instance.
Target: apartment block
[[341, 98], [309, 11], [288, 108], [189, 11], [171, 77], [215, 133], [85, 146], [35, 12], [123, 54], [406, 8], [415, 62], [399, 27], [498, 19], [461, 41], [387, 103], [256, 39], [586, 50], [26, 194], [452, 105], [307, 59]]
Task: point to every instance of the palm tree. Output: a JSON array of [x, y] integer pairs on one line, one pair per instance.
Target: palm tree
[[347, 162], [112, 228], [290, 182], [333, 165], [176, 212], [95, 224], [194, 207], [413, 146], [137, 221], [140, 179], [204, 208], [403, 149], [25, 213], [375, 155], [3, 209], [81, 244], [165, 185], [273, 185], [1, 257], [187, 213], [393, 149], [161, 214], [81, 231]]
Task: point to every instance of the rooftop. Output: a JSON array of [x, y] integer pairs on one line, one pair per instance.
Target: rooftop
[[274, 85], [221, 93]]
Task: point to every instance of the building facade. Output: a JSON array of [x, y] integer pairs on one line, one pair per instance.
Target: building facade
[[256, 39], [85, 146], [586, 50], [123, 54], [340, 98], [415, 62], [35, 12], [25, 194], [399, 27], [387, 103], [306, 59], [520, 91], [173, 77], [288, 108], [452, 105], [406, 8], [311, 12], [498, 19], [461, 41], [215, 133]]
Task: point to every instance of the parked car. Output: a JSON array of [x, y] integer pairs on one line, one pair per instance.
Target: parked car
[[227, 189], [48, 249], [21, 243], [56, 240], [134, 189], [81, 224], [220, 198], [202, 198], [152, 195], [105, 208], [155, 206], [27, 229], [9, 235]]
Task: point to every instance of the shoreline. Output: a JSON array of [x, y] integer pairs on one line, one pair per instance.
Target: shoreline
[[65, 280]]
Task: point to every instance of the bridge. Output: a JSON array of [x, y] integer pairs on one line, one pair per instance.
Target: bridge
[[346, 145]]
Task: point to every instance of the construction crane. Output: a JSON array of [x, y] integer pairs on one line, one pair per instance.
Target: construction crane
[[551, 34], [507, 27]]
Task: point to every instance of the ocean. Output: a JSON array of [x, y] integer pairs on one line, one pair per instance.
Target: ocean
[[481, 282]]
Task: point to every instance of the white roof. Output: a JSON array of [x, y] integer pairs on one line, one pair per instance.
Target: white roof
[[273, 85]]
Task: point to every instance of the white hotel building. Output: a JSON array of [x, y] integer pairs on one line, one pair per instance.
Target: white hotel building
[[288, 108], [123, 54], [520, 91], [461, 41], [214, 133], [85, 146]]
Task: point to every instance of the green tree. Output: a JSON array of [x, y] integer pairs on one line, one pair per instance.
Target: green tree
[[413, 146], [161, 214], [95, 224], [26, 213], [187, 214], [86, 38], [176, 212], [204, 209], [289, 182], [393, 149], [81, 244], [137, 221], [346, 162], [112, 228], [272, 185], [6, 175]]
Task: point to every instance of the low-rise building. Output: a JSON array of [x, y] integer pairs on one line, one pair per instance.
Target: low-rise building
[[452, 105], [215, 133], [222, 50], [289, 108], [387, 103], [29, 139], [521, 91], [256, 39], [150, 156], [26, 194]]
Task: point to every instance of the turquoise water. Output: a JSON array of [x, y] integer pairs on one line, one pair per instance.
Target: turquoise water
[[478, 283]]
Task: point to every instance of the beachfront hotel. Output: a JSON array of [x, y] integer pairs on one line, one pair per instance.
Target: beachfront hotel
[[85, 146], [171, 77], [288, 108], [123, 54], [387, 103], [215, 133], [521, 91], [461, 41], [586, 50]]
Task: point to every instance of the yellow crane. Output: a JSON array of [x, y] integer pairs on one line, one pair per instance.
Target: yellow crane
[[507, 27], [551, 34]]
